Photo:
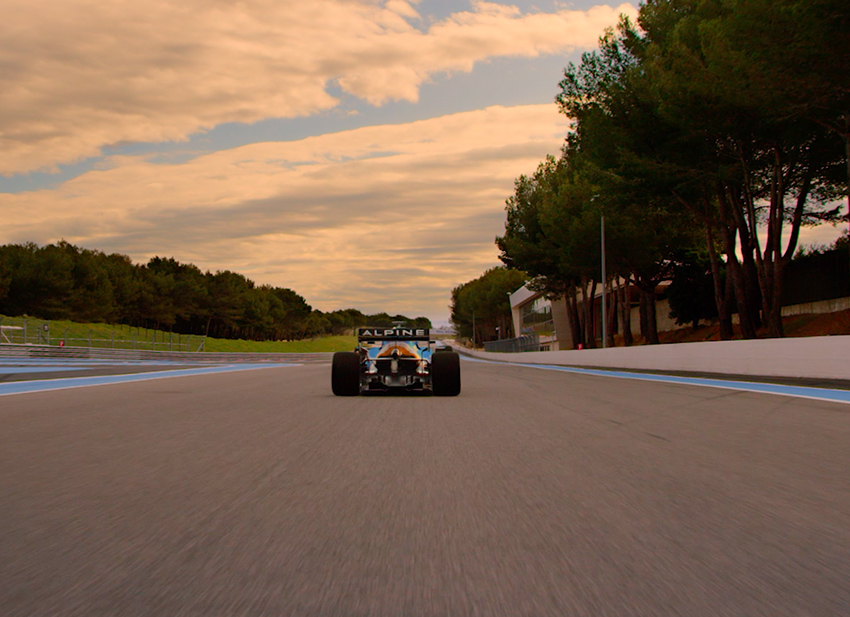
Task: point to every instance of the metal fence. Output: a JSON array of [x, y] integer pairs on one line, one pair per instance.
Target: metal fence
[[28, 331], [529, 342]]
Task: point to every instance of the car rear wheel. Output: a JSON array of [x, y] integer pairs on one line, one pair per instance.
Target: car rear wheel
[[345, 373], [445, 373]]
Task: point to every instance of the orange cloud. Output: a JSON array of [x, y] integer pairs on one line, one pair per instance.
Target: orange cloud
[[81, 75], [384, 218]]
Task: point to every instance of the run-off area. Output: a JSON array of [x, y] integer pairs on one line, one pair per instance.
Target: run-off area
[[24, 375]]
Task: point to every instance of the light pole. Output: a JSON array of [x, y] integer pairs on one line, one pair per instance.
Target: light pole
[[604, 288], [510, 314]]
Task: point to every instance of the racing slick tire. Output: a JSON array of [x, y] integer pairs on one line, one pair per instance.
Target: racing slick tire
[[345, 373], [445, 373], [442, 349]]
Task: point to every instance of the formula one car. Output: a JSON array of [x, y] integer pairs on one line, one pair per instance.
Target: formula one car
[[396, 359]]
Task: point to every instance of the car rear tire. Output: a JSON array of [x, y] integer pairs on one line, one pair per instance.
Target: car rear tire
[[445, 373], [345, 373]]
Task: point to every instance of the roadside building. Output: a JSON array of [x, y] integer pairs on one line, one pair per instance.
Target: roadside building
[[818, 283], [546, 325], [541, 322]]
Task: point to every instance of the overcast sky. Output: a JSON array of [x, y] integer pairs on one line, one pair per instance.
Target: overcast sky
[[358, 152]]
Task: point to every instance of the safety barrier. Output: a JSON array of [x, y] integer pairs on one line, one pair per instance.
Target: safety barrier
[[514, 345], [815, 357], [26, 330]]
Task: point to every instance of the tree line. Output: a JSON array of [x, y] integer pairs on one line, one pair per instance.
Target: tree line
[[480, 306], [707, 134], [62, 281]]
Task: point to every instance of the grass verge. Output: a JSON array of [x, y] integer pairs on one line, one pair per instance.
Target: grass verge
[[324, 344], [102, 335]]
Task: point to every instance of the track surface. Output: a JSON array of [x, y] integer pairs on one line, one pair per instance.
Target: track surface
[[533, 493]]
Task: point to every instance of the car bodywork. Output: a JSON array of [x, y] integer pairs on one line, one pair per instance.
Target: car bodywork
[[396, 359]]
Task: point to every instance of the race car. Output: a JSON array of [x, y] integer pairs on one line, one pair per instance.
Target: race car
[[396, 359]]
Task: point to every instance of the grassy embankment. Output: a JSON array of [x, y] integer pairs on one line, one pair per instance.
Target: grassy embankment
[[123, 337], [327, 343]]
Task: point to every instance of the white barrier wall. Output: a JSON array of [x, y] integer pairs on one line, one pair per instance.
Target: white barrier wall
[[826, 357]]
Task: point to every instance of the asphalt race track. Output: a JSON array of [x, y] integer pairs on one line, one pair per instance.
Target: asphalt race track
[[257, 492]]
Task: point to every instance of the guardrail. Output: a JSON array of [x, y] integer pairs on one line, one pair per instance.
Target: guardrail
[[528, 342], [815, 357], [25, 330], [117, 355]]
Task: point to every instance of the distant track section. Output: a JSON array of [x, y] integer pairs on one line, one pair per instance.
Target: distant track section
[[43, 385], [33, 368], [99, 353]]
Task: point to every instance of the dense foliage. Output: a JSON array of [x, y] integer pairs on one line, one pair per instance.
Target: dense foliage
[[62, 281], [707, 135], [483, 303]]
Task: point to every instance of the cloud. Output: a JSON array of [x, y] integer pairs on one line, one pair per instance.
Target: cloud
[[378, 218], [81, 75]]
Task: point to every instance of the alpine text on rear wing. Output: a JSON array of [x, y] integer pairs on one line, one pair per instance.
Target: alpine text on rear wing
[[393, 334]]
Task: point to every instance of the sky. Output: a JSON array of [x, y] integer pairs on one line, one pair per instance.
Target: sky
[[359, 152]]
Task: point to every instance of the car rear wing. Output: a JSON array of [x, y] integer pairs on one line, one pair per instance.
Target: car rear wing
[[393, 334]]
